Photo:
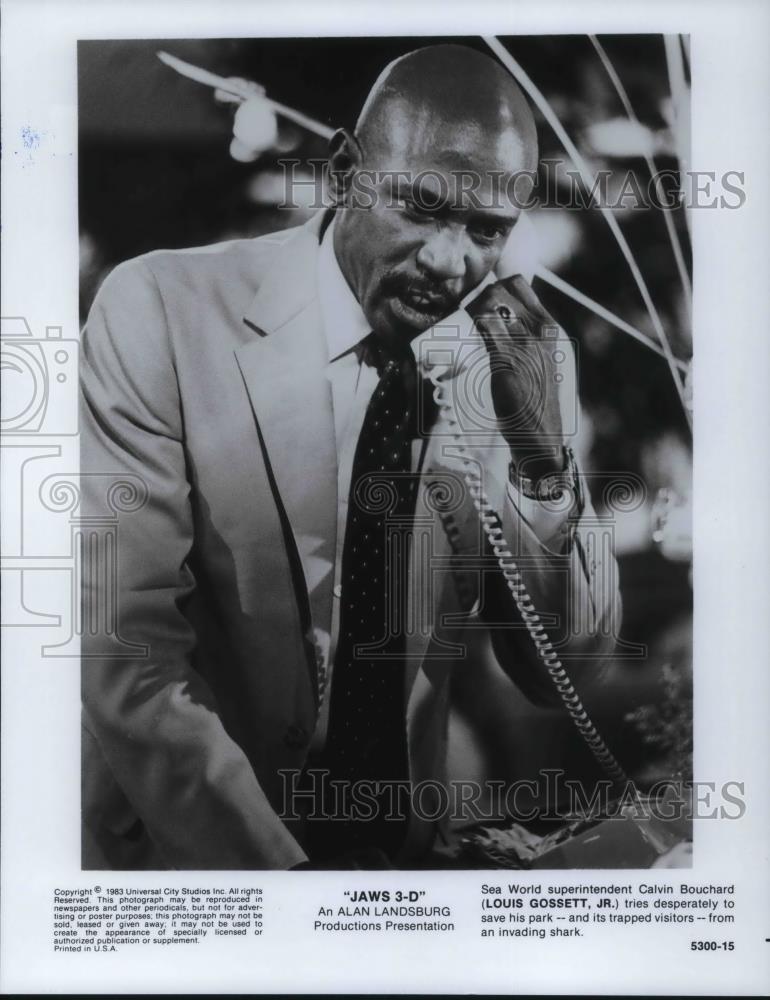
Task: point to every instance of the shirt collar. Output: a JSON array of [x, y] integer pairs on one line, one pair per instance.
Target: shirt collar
[[344, 322]]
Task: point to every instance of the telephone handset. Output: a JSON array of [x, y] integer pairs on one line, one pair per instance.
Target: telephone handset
[[491, 524]]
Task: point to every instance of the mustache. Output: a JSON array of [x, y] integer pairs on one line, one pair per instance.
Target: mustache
[[405, 285]]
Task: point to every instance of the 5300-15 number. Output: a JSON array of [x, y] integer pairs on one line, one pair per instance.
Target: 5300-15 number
[[712, 946]]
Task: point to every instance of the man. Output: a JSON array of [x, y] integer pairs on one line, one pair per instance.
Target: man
[[293, 593]]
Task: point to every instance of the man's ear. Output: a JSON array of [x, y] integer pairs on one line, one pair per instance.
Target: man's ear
[[345, 158]]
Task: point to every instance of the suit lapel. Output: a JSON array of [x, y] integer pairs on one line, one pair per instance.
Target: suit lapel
[[284, 373]]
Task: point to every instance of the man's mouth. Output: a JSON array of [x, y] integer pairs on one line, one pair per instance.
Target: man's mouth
[[421, 299], [418, 308]]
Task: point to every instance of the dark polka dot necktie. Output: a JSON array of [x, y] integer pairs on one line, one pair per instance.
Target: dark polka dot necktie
[[366, 740]]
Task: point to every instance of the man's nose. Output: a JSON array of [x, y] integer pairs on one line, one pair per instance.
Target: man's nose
[[443, 255]]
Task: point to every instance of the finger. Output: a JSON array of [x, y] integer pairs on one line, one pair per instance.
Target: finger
[[526, 294], [499, 327], [497, 308], [513, 308], [484, 332], [521, 291], [507, 351]]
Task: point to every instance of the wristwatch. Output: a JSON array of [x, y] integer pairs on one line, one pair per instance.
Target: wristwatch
[[552, 486]]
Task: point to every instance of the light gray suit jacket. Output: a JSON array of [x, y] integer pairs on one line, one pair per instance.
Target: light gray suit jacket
[[204, 378]]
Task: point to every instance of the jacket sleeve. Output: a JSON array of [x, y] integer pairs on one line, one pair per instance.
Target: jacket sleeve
[[154, 718], [572, 584], [567, 568]]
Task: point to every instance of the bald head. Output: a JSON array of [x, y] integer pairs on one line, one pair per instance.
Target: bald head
[[448, 101]]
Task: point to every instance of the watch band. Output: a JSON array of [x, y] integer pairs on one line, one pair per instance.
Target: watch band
[[551, 487]]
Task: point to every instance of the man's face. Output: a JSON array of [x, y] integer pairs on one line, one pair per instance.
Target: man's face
[[415, 238]]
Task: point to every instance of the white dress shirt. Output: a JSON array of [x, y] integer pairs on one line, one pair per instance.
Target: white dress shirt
[[353, 383]]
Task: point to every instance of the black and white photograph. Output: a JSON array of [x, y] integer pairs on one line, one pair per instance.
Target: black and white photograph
[[384, 512], [391, 373]]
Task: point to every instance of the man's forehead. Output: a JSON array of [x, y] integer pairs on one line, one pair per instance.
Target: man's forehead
[[422, 141]]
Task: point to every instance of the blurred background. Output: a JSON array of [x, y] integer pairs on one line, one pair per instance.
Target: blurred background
[[157, 170]]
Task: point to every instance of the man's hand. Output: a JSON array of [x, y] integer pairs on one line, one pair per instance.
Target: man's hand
[[530, 363]]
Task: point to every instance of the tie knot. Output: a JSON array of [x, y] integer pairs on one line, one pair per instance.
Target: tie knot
[[388, 356]]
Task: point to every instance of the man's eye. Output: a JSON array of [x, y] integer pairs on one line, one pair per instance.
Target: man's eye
[[489, 233]]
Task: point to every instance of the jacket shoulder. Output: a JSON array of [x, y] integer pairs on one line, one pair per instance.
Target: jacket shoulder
[[230, 258], [236, 265]]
